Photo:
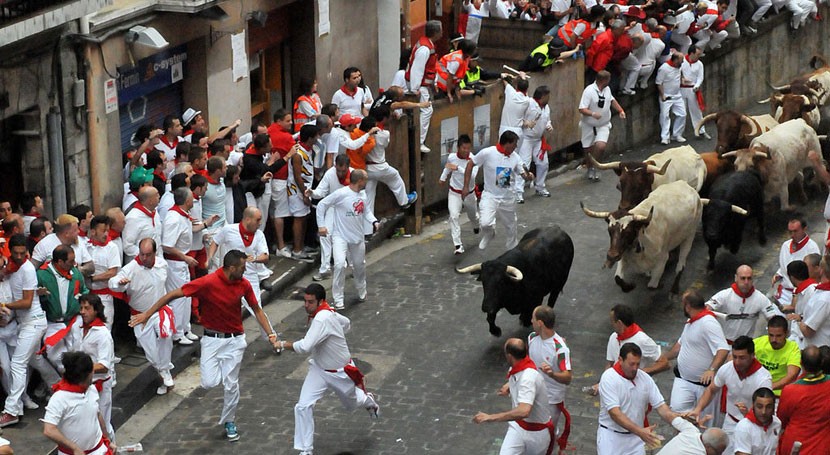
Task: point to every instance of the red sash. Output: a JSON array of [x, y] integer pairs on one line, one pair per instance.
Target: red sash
[[107, 291], [103, 441], [563, 438], [57, 337], [533, 426], [166, 321]]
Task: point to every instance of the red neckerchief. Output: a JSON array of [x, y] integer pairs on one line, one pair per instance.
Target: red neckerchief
[[706, 312], [803, 285], [251, 150], [629, 332], [323, 306], [140, 207], [751, 417], [195, 197], [797, 246], [142, 264], [188, 132], [689, 60], [113, 234], [618, 369], [202, 172], [12, 266], [181, 212], [160, 174], [824, 286], [210, 180], [756, 365], [33, 213], [524, 364], [668, 62], [168, 144], [82, 233], [67, 275], [97, 322], [345, 90], [502, 150], [67, 387], [94, 242], [247, 237], [345, 180], [743, 296]]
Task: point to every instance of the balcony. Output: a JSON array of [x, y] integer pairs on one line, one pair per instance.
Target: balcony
[[21, 19]]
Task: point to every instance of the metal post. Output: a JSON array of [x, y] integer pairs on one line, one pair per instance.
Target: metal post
[[56, 170]]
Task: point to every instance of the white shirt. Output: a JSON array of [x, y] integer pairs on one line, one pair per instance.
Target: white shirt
[[352, 104], [104, 257], [817, 317], [399, 79], [632, 397], [339, 140], [25, 279], [785, 257], [515, 106], [650, 349], [802, 303], [754, 439], [97, 343], [146, 286], [648, 53], [378, 153], [741, 314], [138, 226], [687, 442], [229, 238], [165, 203], [739, 390], [213, 203], [76, 416], [699, 343], [669, 77], [350, 211], [500, 8], [196, 243], [590, 100], [560, 6], [684, 20], [329, 183], [555, 353], [326, 341], [540, 115], [129, 198], [44, 249], [691, 73], [416, 69], [63, 287], [178, 232], [500, 171], [528, 387], [457, 176], [474, 19], [27, 224]]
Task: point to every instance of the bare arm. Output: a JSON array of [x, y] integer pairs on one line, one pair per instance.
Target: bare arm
[[224, 131], [519, 412], [263, 322], [662, 363], [468, 173], [24, 303], [792, 375], [141, 318]]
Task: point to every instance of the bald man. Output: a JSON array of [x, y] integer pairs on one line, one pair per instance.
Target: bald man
[[117, 223], [142, 221], [740, 305]]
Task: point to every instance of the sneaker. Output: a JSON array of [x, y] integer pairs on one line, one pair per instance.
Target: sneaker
[[306, 452], [28, 403], [680, 139], [752, 30], [311, 249], [520, 198], [485, 240], [410, 199], [596, 176], [191, 336], [162, 390], [476, 230], [339, 305], [425, 149], [321, 276], [285, 252], [544, 193], [302, 256], [374, 411], [361, 297], [643, 85], [184, 341], [230, 432], [167, 377], [626, 91], [116, 360], [7, 419], [459, 249], [664, 141]]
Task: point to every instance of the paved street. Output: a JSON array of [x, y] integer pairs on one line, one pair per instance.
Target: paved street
[[423, 343]]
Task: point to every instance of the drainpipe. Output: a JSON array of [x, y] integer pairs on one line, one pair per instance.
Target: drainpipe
[[55, 134], [97, 159]]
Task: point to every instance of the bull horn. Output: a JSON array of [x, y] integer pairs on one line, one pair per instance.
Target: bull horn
[[765, 101], [470, 269], [739, 210], [594, 214], [704, 120], [815, 93], [704, 201], [760, 154], [754, 130], [514, 274], [728, 154], [783, 87], [652, 169], [645, 219], [603, 166], [822, 137]]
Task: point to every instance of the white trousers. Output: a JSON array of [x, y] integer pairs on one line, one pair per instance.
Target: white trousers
[[642, 74], [105, 406], [263, 203], [505, 209], [29, 336], [317, 383], [525, 152], [675, 105], [519, 441], [109, 309], [49, 365], [612, 443], [531, 152], [426, 113], [455, 205], [801, 9], [325, 244], [631, 69], [220, 363], [690, 98], [685, 395], [341, 249], [682, 40], [763, 7], [390, 177], [156, 349], [178, 274], [709, 39], [8, 342]]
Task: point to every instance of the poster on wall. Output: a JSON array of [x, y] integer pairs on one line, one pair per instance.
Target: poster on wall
[[240, 56], [481, 127], [449, 135], [110, 96], [323, 25]]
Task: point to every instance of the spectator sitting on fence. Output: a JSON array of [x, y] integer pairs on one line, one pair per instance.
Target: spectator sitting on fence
[[545, 55]]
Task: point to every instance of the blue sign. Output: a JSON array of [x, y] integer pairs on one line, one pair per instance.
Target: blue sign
[[152, 73]]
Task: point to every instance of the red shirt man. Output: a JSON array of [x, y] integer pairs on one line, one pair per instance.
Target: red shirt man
[[281, 139], [804, 408]]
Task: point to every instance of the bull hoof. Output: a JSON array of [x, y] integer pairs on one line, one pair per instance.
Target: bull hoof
[[495, 331], [623, 285]]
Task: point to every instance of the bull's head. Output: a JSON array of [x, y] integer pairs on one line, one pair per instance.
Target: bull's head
[[499, 281], [732, 128], [623, 229], [717, 219], [636, 179], [790, 107], [750, 158]]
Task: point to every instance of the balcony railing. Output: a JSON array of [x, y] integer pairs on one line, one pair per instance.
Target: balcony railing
[[20, 19], [14, 10]]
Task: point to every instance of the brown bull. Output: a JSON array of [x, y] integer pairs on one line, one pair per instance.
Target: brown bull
[[636, 179], [715, 167], [736, 130]]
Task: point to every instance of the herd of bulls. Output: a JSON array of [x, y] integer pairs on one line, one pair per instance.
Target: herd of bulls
[[664, 198]]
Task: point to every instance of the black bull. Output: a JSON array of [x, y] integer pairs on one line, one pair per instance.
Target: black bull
[[519, 279]]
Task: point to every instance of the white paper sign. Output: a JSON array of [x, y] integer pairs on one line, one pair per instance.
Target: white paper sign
[[449, 135], [481, 127], [110, 96], [323, 25], [240, 56]]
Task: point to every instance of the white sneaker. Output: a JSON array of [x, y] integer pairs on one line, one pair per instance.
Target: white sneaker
[[285, 252], [664, 142], [116, 360], [680, 139], [167, 378], [374, 411], [485, 240], [361, 297], [706, 135], [425, 149], [191, 336], [184, 341], [28, 403], [162, 390], [339, 305], [459, 249], [543, 193], [321, 276]]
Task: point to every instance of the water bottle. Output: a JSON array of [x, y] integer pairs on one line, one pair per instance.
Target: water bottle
[[131, 448], [279, 338], [796, 448]]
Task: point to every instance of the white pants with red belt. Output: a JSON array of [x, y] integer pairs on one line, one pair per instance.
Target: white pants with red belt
[[519, 441], [690, 98], [105, 406], [156, 349], [317, 383], [102, 450], [220, 362], [29, 337], [49, 364], [455, 205], [710, 39], [356, 252], [178, 274], [610, 442]]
